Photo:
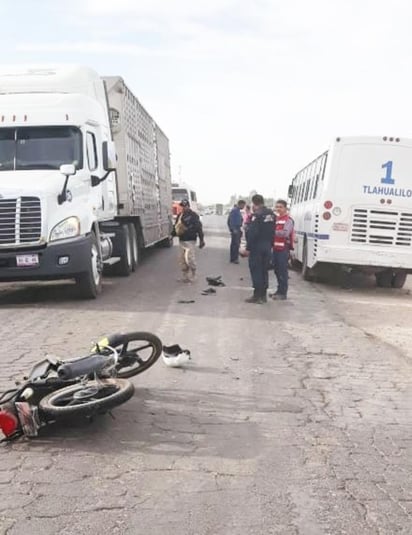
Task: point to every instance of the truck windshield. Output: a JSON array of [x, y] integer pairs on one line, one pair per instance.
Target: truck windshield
[[40, 147]]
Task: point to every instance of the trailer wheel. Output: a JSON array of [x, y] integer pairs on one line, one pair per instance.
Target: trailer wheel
[[167, 243], [307, 272], [125, 265], [89, 283], [384, 278], [134, 243], [399, 279]]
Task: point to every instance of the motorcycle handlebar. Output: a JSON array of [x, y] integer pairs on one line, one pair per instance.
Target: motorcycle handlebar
[[83, 366]]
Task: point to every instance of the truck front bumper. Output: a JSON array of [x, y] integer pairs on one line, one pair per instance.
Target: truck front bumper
[[61, 260]]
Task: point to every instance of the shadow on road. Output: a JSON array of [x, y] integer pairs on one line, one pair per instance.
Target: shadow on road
[[166, 422]]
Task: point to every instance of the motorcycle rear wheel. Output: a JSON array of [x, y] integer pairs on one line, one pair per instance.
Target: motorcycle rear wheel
[[86, 400]]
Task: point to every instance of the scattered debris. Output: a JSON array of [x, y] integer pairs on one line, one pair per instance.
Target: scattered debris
[[209, 291], [215, 281]]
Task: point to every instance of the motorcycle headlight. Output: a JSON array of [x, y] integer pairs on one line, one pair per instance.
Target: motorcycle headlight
[[68, 228]]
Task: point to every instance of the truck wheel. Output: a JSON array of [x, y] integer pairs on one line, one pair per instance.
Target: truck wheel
[[307, 272], [399, 279], [384, 278], [168, 242], [89, 283], [134, 243], [125, 265]]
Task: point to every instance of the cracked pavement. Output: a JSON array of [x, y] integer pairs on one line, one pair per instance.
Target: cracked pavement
[[291, 419]]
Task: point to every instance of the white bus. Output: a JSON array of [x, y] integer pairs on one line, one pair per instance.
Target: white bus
[[352, 208], [181, 192]]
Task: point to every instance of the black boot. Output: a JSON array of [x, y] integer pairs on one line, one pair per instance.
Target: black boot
[[254, 298], [262, 297]]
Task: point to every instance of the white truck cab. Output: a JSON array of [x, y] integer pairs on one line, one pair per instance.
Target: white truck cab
[[58, 184]]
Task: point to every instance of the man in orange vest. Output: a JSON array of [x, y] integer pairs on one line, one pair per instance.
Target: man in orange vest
[[282, 246]]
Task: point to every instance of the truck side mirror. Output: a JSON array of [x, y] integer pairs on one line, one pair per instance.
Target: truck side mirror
[[107, 164], [68, 169], [290, 191]]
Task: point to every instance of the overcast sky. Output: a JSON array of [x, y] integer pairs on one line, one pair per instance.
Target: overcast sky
[[248, 91]]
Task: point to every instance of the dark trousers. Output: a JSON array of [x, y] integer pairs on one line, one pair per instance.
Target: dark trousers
[[280, 263], [259, 261], [235, 245]]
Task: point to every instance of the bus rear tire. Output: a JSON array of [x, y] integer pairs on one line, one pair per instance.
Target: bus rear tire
[[384, 279], [307, 272], [399, 279]]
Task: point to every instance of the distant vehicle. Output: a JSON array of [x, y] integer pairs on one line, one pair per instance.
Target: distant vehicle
[[85, 176], [180, 192], [352, 207], [219, 209]]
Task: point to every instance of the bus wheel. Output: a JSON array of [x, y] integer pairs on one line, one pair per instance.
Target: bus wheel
[[384, 278], [307, 272], [399, 279]]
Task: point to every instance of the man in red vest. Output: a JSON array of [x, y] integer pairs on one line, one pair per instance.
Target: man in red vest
[[282, 246]]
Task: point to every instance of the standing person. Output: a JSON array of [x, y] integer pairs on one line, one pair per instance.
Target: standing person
[[282, 246], [259, 241], [247, 214], [188, 228], [235, 222]]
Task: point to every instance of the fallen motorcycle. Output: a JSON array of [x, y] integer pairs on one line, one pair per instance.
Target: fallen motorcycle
[[81, 387]]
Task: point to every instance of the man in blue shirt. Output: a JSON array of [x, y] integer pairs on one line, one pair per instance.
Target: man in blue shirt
[[259, 238], [235, 222]]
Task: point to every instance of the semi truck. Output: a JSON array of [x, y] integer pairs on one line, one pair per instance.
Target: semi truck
[[85, 177]]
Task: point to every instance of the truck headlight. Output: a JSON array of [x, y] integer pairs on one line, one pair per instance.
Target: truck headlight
[[68, 228]]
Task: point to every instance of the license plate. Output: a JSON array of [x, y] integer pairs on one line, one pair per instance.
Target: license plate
[[27, 260]]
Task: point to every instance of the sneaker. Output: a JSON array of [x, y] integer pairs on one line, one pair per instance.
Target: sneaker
[[272, 294], [279, 297], [185, 279], [252, 299], [234, 261]]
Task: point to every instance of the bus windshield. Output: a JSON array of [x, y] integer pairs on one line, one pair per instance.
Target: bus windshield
[[41, 147], [178, 194]]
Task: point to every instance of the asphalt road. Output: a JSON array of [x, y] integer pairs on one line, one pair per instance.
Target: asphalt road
[[292, 418]]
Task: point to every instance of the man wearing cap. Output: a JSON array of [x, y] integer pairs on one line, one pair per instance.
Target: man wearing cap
[[188, 228]]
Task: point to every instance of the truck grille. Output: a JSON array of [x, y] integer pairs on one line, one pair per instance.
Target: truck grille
[[381, 227], [20, 220]]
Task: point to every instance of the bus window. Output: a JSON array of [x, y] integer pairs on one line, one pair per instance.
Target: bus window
[[324, 160], [193, 197], [315, 189], [307, 184]]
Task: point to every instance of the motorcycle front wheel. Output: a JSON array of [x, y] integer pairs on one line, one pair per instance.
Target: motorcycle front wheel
[[86, 399], [138, 351]]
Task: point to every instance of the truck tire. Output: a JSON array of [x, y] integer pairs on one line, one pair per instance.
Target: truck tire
[[307, 272], [89, 283], [134, 243], [384, 279], [399, 279], [167, 242], [124, 267]]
